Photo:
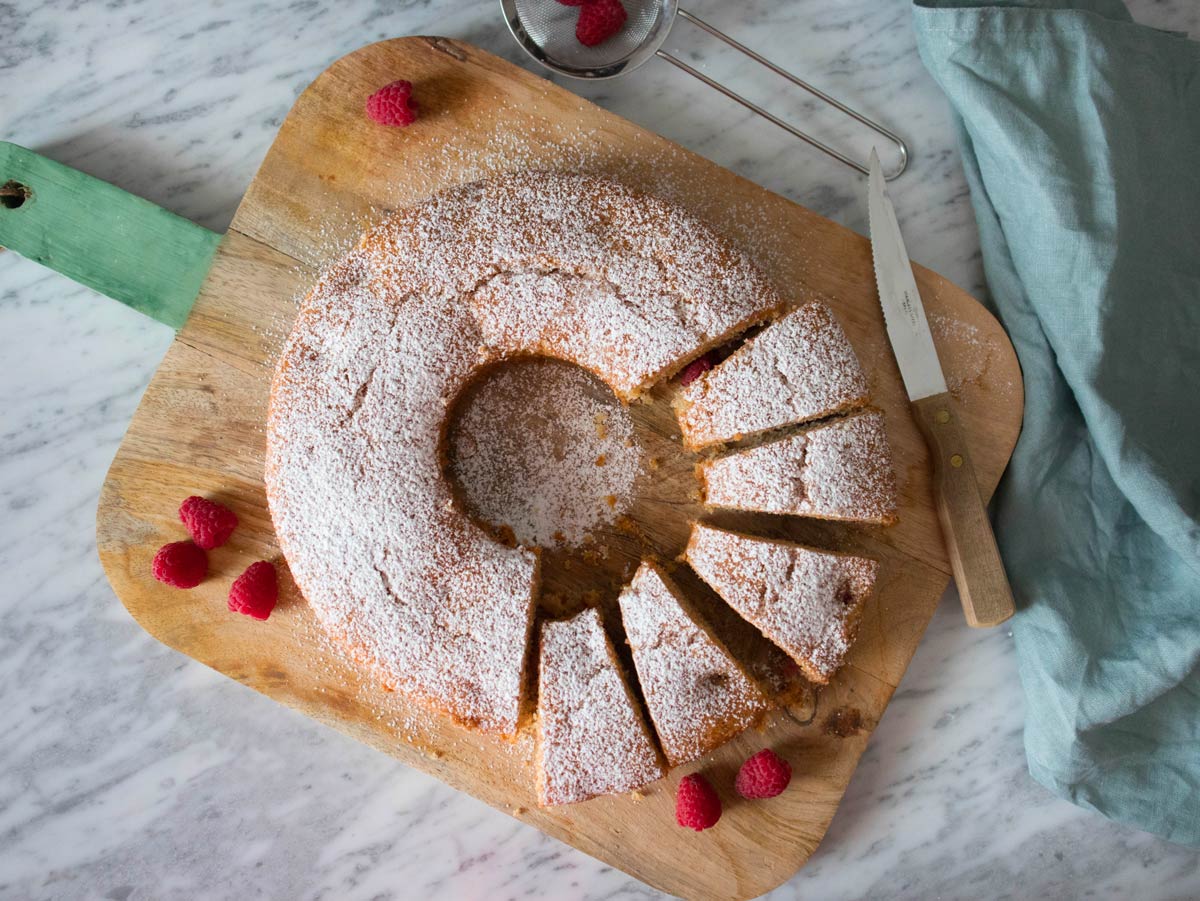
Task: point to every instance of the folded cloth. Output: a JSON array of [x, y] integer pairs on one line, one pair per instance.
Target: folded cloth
[[1080, 135]]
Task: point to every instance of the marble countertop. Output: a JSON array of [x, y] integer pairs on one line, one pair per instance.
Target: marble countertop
[[128, 771]]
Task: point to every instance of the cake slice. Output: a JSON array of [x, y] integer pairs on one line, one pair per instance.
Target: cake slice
[[797, 369], [837, 470], [593, 740], [807, 602], [698, 696]]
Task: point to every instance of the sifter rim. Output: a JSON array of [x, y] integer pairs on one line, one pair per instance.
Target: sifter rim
[[644, 51]]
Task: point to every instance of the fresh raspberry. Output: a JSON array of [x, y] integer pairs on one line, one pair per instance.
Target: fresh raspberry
[[255, 591], [393, 104], [210, 524], [696, 803], [599, 21], [180, 564], [764, 775], [696, 368]]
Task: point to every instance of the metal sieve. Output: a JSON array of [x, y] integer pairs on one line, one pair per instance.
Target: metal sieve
[[546, 31]]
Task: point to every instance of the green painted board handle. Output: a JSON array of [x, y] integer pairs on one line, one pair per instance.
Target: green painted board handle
[[103, 237]]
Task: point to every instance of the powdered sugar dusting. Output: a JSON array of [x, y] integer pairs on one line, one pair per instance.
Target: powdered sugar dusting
[[798, 369], [630, 334], [593, 740], [697, 694], [541, 258], [545, 450], [837, 470], [807, 602], [363, 515], [387, 341], [967, 355]]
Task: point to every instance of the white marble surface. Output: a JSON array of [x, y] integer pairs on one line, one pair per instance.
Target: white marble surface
[[130, 772]]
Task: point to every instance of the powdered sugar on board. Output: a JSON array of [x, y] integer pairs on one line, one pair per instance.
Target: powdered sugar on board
[[797, 369], [807, 602], [546, 450], [966, 355], [592, 738], [837, 470], [697, 694]]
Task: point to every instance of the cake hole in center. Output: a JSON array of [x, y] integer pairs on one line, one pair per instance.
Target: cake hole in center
[[543, 451]]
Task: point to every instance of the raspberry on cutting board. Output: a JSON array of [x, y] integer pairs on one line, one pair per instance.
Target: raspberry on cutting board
[[696, 803], [764, 775], [393, 104], [180, 564], [210, 524], [255, 591]]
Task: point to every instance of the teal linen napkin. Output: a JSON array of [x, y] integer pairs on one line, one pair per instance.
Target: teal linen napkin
[[1080, 135]]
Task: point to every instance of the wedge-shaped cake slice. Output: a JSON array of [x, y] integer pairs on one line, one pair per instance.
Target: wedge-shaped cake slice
[[698, 696], [808, 602], [797, 369], [837, 470], [593, 740]]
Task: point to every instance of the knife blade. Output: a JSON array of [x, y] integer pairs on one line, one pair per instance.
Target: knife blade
[[971, 546], [903, 312]]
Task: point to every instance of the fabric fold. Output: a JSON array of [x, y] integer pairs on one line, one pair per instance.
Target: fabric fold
[[1080, 135]]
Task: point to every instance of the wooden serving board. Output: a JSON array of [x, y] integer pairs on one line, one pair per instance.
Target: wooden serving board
[[199, 430]]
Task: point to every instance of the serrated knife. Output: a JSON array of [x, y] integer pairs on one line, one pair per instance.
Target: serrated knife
[[978, 571]]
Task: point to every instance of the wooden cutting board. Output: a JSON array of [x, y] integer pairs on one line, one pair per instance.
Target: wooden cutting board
[[199, 430]]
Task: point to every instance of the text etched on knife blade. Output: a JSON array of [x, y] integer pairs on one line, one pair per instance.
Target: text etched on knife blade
[[912, 310]]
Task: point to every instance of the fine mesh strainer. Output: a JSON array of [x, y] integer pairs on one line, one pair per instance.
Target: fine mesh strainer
[[546, 31]]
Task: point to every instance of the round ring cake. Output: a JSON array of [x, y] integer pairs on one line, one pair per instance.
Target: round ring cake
[[619, 283]]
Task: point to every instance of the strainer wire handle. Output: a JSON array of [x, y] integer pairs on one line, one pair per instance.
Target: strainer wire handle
[[800, 83]]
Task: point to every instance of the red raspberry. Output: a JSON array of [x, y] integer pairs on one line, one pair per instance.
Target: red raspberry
[[210, 524], [180, 564], [696, 368], [764, 775], [255, 591], [393, 104], [696, 803], [599, 21]]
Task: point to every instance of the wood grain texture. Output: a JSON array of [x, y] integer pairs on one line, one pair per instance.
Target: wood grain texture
[[974, 558], [328, 175], [121, 245]]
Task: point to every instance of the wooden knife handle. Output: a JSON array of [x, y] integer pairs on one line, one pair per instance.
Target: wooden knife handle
[[978, 571]]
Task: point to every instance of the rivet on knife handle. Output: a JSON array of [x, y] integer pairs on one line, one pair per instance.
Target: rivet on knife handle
[[978, 571]]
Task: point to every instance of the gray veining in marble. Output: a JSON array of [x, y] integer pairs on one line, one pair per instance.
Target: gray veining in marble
[[130, 772]]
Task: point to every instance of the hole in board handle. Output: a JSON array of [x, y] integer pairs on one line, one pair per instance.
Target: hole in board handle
[[13, 195]]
